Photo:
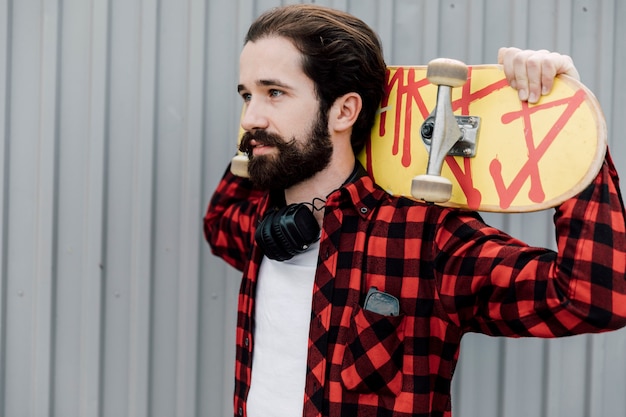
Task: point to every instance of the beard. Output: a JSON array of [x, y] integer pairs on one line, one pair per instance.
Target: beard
[[294, 162]]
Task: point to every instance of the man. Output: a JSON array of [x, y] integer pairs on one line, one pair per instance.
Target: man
[[354, 302]]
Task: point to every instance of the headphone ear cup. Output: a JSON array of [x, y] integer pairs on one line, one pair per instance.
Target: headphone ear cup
[[301, 226], [265, 237], [282, 244], [287, 232]]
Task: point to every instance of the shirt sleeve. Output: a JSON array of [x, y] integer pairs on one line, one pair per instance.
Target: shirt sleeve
[[229, 222], [497, 285]]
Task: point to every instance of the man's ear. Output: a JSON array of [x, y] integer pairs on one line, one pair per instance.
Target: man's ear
[[344, 112]]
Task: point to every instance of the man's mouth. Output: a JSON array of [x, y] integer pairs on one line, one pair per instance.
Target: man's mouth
[[259, 143], [259, 148]]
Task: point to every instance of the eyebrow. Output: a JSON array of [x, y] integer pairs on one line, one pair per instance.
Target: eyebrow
[[266, 83]]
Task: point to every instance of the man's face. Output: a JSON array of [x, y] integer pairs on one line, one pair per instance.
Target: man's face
[[286, 137], [294, 161]]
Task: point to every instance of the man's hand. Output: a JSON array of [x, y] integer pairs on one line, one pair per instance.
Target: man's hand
[[532, 72]]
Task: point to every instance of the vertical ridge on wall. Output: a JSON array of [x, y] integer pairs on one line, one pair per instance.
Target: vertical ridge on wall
[[612, 116], [604, 90], [91, 324], [563, 27], [429, 29], [616, 107], [591, 41], [226, 24], [386, 13], [45, 224], [565, 378], [5, 48], [604, 40], [190, 216], [142, 217], [516, 394], [475, 45]]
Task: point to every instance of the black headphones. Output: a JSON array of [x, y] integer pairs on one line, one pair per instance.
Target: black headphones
[[287, 231], [290, 230]]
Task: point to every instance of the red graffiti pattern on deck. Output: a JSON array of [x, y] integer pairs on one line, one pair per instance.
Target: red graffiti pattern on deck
[[408, 96]]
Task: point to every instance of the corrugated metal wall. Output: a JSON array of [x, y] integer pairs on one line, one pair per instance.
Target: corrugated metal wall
[[116, 120]]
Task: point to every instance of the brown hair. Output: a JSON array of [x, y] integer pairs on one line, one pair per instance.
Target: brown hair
[[340, 53]]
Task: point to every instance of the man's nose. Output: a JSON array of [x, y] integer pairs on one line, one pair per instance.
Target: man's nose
[[254, 117]]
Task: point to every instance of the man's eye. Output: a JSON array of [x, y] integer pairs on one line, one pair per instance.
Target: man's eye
[[246, 96], [275, 93]]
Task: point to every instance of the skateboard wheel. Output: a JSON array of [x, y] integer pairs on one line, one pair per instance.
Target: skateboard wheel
[[239, 166], [445, 71], [431, 188]]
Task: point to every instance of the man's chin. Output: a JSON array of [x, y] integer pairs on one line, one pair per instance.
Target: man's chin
[[262, 175], [261, 160], [267, 179]]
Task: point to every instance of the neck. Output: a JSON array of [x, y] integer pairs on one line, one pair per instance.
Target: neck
[[321, 184]]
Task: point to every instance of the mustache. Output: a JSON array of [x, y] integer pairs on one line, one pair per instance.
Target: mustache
[[262, 137]]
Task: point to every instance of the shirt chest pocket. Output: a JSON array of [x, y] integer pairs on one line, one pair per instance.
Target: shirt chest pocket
[[372, 361]]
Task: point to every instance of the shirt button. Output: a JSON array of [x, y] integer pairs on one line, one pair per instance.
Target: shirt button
[[240, 411], [363, 210], [246, 342]]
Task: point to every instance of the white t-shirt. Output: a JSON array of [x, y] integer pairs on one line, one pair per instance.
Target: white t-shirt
[[281, 335]]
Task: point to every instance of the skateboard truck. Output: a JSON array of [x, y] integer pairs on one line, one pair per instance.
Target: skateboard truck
[[465, 145], [444, 131]]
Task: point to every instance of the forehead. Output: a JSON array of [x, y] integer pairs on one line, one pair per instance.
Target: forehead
[[271, 58]]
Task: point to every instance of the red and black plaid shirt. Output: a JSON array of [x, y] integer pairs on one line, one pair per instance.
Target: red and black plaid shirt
[[452, 274]]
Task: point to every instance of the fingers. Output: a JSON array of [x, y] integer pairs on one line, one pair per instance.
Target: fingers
[[532, 73]]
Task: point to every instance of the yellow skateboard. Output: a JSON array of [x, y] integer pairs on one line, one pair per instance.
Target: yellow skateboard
[[458, 136], [488, 150]]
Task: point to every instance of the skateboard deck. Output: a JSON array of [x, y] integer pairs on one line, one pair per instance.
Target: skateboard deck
[[528, 157]]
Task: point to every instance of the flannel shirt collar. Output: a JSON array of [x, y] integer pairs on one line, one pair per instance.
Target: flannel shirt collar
[[360, 192]]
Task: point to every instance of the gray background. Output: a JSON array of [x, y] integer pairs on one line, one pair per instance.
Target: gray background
[[117, 118]]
